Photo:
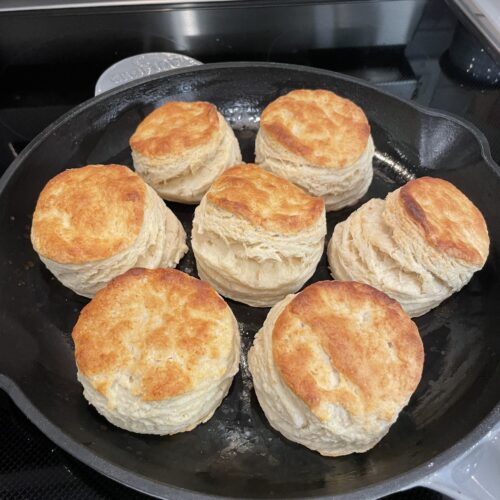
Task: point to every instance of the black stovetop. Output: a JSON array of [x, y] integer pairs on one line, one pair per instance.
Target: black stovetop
[[32, 97]]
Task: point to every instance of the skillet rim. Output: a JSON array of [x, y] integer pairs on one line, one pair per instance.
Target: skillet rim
[[144, 484]]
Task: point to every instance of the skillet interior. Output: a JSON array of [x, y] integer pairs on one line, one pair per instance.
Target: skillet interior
[[237, 453]]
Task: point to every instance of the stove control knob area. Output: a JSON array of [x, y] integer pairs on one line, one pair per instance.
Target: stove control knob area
[[139, 66]]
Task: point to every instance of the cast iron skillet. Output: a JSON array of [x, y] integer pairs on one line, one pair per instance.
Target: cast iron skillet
[[236, 453]]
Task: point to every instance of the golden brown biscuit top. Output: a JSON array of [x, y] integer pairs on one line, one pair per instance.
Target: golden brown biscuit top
[[347, 344], [163, 330], [265, 200], [321, 127], [88, 214], [448, 220], [175, 128]]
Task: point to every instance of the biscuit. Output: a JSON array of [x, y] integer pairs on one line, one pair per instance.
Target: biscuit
[[419, 245], [319, 141], [181, 147], [93, 223], [334, 365], [156, 351], [256, 236]]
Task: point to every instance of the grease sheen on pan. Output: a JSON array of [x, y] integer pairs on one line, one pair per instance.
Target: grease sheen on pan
[[321, 142], [334, 365], [93, 223], [419, 245], [156, 351], [256, 236], [181, 147]]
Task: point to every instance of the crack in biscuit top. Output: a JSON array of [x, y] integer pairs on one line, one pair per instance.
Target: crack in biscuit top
[[448, 220], [161, 332], [323, 128], [347, 344], [265, 199], [88, 214], [175, 128]]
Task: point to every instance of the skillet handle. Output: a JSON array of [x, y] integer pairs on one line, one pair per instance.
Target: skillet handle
[[473, 476], [135, 67]]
